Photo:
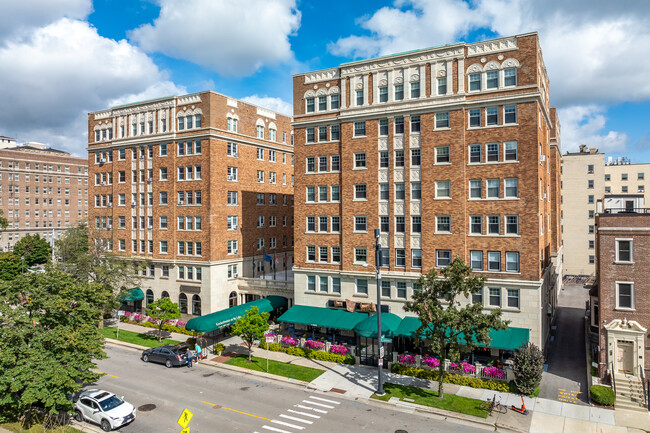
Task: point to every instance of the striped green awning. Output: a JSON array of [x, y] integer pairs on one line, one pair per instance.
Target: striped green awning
[[213, 321], [319, 316]]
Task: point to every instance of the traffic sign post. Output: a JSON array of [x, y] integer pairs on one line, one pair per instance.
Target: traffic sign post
[[184, 420], [269, 340], [120, 313]]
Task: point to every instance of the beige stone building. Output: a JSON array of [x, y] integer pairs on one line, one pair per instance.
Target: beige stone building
[[42, 191]]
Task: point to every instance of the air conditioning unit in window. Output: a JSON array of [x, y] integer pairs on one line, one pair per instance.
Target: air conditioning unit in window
[[110, 205], [234, 227], [542, 158], [102, 161], [231, 178], [133, 204], [103, 183], [150, 180], [235, 251]]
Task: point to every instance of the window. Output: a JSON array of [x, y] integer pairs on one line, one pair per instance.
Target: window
[[512, 187], [336, 258], [416, 258], [475, 187], [311, 194], [625, 295], [624, 250], [510, 150], [474, 82], [415, 90], [260, 131], [400, 225], [492, 152], [360, 255], [335, 132], [510, 77], [322, 163], [311, 137], [384, 191], [311, 283], [443, 224], [624, 176], [510, 114], [590, 199], [492, 80], [513, 298], [591, 229], [401, 289], [591, 214], [322, 133], [476, 260], [399, 191], [335, 191], [400, 258], [383, 94], [311, 224], [322, 257], [335, 163], [322, 103], [361, 286], [640, 176], [476, 224], [416, 224], [475, 118], [442, 86], [512, 224], [384, 224], [359, 224], [399, 92], [163, 247], [383, 127], [162, 198], [640, 188], [359, 129], [385, 289], [512, 262], [399, 158], [494, 261], [415, 124], [443, 258], [310, 165], [322, 224], [359, 97], [442, 155], [360, 160], [310, 105], [442, 120], [232, 150], [477, 298], [232, 198], [360, 192], [334, 102], [495, 297], [443, 189], [415, 157], [624, 188], [590, 184], [492, 116], [399, 125], [322, 193], [493, 188], [591, 244]]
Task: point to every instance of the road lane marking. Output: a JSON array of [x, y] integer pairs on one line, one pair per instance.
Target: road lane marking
[[296, 419], [318, 404], [325, 400], [310, 415], [275, 429], [310, 408], [105, 374], [235, 410], [298, 427]]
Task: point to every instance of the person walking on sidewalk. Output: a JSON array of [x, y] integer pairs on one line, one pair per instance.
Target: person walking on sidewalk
[[198, 352], [188, 353]]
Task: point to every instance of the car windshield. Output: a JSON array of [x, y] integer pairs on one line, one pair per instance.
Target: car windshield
[[110, 403]]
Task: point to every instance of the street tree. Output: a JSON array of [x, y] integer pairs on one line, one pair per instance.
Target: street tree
[[528, 366], [49, 341], [251, 327], [448, 320], [9, 266], [3, 221], [163, 310], [35, 249]]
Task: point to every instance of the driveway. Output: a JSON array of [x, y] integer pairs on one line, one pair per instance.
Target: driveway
[[565, 379]]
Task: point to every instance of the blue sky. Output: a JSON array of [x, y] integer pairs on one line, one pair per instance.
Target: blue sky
[[61, 59]]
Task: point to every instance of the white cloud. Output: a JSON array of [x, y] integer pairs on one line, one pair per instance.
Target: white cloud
[[53, 77], [231, 37], [275, 104], [19, 17], [585, 124]]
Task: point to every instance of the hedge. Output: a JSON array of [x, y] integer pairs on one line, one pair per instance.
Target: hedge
[[456, 379], [602, 395], [309, 353]]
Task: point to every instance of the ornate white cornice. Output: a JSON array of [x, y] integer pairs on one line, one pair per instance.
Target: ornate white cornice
[[624, 325], [266, 113], [189, 99], [326, 75], [402, 60], [494, 46]]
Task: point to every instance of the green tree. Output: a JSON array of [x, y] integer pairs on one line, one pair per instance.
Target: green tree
[[448, 321], [528, 366], [34, 248], [250, 327], [49, 340], [3, 221], [163, 310], [9, 266]]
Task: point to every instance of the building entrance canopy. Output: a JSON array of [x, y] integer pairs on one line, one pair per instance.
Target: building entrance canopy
[[324, 317], [219, 319], [135, 294]]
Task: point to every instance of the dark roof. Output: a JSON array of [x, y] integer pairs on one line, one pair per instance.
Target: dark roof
[[29, 148]]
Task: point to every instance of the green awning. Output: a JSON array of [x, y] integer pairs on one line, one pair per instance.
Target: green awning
[[368, 326], [135, 294], [325, 317], [407, 327], [213, 321]]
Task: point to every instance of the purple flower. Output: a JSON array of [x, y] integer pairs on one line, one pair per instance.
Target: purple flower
[[181, 323], [339, 349], [468, 368], [494, 372], [316, 345], [407, 359], [289, 341], [430, 361]]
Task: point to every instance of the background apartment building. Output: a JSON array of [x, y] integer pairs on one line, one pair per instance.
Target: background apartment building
[[449, 151], [197, 187], [42, 191], [591, 184]]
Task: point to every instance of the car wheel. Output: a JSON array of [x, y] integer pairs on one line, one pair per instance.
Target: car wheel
[[78, 416], [106, 426], [145, 358], [168, 364]]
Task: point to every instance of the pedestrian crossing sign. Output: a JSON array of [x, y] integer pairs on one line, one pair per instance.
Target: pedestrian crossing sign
[[186, 430], [184, 420]]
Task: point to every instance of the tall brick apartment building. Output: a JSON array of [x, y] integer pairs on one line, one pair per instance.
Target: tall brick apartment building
[[42, 191], [449, 151], [197, 186]]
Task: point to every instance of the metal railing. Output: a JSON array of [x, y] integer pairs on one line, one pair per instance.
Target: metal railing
[[643, 385], [615, 210], [611, 368]]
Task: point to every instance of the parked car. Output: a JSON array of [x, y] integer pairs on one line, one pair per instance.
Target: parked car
[[103, 408], [171, 355]]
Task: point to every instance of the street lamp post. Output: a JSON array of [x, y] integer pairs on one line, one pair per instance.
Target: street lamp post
[[380, 334], [22, 264]]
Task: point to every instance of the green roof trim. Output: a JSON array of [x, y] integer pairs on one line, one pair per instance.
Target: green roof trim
[[368, 326], [319, 316], [135, 294], [219, 319]]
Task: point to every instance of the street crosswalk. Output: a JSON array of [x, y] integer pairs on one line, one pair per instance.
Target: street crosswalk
[[301, 416]]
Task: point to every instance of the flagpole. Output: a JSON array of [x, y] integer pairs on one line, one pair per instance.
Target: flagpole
[[275, 259], [285, 266]]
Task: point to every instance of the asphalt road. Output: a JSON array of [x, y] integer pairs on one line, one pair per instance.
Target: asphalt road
[[225, 401]]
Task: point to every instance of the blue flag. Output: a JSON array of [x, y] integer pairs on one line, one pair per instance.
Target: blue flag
[[267, 258]]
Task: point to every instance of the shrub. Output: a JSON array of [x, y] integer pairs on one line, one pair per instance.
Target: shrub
[[219, 347], [457, 379], [309, 353], [528, 368], [124, 319], [602, 395]]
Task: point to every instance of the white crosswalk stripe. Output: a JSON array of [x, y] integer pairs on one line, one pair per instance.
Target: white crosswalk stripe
[[318, 404], [298, 427], [310, 415], [275, 429], [293, 418], [309, 408], [325, 400]]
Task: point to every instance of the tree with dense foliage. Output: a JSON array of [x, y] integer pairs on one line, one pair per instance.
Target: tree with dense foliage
[[448, 321], [251, 327], [163, 310], [528, 366], [3, 221], [35, 249], [9, 266], [49, 340]]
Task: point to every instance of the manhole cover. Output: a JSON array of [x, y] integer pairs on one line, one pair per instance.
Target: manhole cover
[[146, 407]]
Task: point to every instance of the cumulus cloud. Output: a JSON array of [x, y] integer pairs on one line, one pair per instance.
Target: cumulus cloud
[[231, 37], [19, 17], [275, 104], [60, 72], [585, 124]]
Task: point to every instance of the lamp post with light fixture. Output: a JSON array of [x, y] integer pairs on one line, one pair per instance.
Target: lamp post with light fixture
[[380, 334]]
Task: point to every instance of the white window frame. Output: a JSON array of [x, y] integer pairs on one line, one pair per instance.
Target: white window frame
[[631, 241], [618, 307]]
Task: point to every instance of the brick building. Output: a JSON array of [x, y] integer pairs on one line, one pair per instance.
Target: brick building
[[42, 191], [449, 151], [198, 187]]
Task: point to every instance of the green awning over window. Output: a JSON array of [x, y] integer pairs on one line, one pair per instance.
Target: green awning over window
[[325, 317], [219, 319], [135, 294], [368, 326], [407, 327]]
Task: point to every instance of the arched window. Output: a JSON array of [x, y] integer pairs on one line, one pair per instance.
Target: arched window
[[164, 294], [182, 303], [273, 132], [232, 299], [196, 305], [149, 296], [260, 128]]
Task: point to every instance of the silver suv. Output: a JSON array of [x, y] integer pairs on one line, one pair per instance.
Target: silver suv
[[103, 408]]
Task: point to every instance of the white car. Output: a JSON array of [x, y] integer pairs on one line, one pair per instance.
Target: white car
[[103, 408]]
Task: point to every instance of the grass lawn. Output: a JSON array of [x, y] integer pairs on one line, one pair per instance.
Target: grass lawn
[[38, 428], [278, 368], [430, 398], [135, 338]]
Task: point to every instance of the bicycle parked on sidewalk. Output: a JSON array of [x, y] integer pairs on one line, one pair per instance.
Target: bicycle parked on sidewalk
[[493, 405]]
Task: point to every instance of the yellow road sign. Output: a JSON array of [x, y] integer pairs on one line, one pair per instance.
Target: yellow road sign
[[186, 430], [184, 419]]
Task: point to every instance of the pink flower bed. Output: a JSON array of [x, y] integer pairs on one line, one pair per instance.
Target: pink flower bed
[[289, 341], [316, 345], [181, 324], [495, 372], [407, 359], [430, 361], [339, 349]]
